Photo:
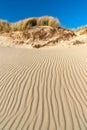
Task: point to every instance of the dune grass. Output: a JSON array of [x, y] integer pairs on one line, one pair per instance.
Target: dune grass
[[4, 26], [83, 28], [24, 24], [48, 21], [29, 23]]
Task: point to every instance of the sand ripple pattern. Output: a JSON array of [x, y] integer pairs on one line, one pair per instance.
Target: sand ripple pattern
[[46, 92]]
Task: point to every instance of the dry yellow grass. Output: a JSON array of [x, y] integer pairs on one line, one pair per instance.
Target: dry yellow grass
[[24, 24], [29, 23], [48, 21], [82, 30], [4, 26]]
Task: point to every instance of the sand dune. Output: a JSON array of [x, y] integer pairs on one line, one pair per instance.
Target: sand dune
[[43, 89]]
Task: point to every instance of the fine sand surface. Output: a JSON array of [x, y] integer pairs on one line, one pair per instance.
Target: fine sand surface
[[43, 89]]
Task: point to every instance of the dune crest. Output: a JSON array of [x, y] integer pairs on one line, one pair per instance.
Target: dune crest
[[37, 32], [40, 32]]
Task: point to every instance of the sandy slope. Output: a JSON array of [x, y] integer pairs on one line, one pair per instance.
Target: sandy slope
[[44, 89]]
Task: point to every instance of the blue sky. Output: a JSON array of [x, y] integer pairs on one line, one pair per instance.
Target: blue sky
[[71, 13]]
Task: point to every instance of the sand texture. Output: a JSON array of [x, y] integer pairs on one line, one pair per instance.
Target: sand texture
[[43, 89]]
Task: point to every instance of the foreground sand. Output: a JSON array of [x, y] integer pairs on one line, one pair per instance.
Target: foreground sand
[[44, 89]]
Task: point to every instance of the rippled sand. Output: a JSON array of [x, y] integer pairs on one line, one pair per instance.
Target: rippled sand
[[43, 89]]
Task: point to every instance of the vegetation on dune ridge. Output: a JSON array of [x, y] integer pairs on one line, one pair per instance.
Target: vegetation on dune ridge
[[82, 27], [82, 30], [28, 23], [4, 26], [48, 21], [37, 32]]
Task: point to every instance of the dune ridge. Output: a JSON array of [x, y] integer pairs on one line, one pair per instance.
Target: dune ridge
[[37, 32], [43, 89]]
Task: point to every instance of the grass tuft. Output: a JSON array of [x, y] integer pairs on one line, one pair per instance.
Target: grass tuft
[[26, 24], [4, 26]]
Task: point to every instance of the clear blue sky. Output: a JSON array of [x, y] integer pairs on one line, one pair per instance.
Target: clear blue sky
[[71, 13]]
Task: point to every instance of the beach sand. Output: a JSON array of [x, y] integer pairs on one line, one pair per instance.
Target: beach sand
[[43, 89]]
